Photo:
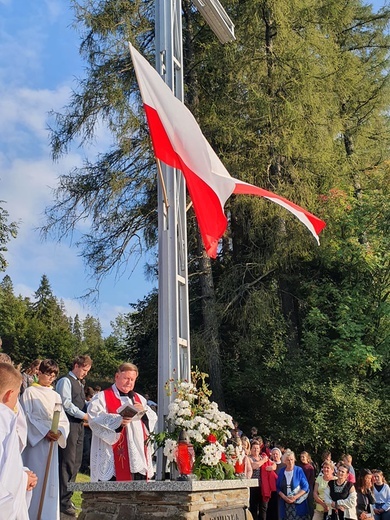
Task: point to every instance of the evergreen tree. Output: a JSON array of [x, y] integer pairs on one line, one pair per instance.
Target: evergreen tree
[[8, 230], [13, 320], [46, 308], [104, 353], [77, 329]]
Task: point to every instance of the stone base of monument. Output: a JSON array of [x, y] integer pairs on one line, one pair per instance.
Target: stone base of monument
[[173, 500]]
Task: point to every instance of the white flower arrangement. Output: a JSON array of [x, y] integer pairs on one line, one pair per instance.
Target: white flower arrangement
[[207, 427], [235, 453], [212, 454], [170, 449]]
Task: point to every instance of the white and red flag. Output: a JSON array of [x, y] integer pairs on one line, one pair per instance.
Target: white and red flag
[[178, 142]]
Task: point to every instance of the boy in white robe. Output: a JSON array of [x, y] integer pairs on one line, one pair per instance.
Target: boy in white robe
[[39, 401], [16, 483]]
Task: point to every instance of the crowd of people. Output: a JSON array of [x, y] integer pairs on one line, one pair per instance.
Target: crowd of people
[[42, 445], [49, 432], [291, 490]]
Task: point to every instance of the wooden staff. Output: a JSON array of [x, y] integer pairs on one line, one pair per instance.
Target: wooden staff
[[48, 463], [54, 428]]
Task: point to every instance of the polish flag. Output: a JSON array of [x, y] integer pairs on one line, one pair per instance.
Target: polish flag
[[178, 142]]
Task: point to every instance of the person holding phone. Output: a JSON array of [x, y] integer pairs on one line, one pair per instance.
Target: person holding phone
[[365, 495]]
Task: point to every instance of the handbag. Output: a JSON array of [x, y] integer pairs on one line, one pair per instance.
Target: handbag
[[295, 491]]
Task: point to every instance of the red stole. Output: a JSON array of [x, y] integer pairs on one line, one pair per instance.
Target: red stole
[[120, 448]]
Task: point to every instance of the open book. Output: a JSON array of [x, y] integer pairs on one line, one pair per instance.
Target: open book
[[128, 410]]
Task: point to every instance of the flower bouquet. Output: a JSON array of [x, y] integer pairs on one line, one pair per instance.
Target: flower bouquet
[[206, 426]]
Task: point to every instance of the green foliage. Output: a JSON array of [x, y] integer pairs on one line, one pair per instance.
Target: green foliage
[[207, 429], [141, 332], [221, 471], [41, 329], [302, 111], [8, 230]]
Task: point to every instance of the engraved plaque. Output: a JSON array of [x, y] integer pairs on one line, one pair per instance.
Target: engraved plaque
[[236, 513]]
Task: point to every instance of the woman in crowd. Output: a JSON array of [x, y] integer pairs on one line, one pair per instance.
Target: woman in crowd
[[307, 466], [321, 483], [39, 402], [327, 457], [347, 459], [365, 495], [276, 457], [308, 469], [246, 444], [239, 459], [273, 504], [30, 375], [340, 496], [293, 489], [257, 460], [382, 496]]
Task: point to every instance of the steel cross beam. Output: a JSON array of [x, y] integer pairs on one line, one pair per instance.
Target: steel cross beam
[[173, 308], [174, 360]]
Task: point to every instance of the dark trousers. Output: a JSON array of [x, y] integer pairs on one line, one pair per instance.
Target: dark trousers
[[273, 507], [86, 460], [257, 507], [70, 461]]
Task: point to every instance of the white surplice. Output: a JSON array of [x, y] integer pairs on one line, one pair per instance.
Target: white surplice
[[103, 426], [38, 403], [21, 427], [13, 478]]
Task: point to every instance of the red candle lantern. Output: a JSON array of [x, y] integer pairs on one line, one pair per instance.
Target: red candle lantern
[[185, 455], [239, 468]]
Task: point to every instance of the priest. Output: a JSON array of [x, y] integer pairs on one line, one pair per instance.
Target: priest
[[118, 449]]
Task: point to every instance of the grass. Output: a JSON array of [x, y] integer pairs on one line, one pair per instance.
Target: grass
[[76, 499]]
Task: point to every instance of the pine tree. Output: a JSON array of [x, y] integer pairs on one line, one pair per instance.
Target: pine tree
[[8, 230], [13, 320]]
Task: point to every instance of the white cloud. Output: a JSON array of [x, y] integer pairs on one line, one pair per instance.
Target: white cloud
[[76, 306], [38, 60], [24, 114], [55, 9], [108, 313], [20, 50], [26, 185]]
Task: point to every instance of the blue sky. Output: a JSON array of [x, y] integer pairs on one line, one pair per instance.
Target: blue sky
[[38, 63]]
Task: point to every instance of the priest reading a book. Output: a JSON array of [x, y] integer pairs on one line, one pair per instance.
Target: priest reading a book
[[121, 421]]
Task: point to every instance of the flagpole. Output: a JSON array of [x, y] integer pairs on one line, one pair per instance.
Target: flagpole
[[174, 358], [173, 298]]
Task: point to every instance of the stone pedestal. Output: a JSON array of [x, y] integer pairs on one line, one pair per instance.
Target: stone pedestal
[[156, 500]]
